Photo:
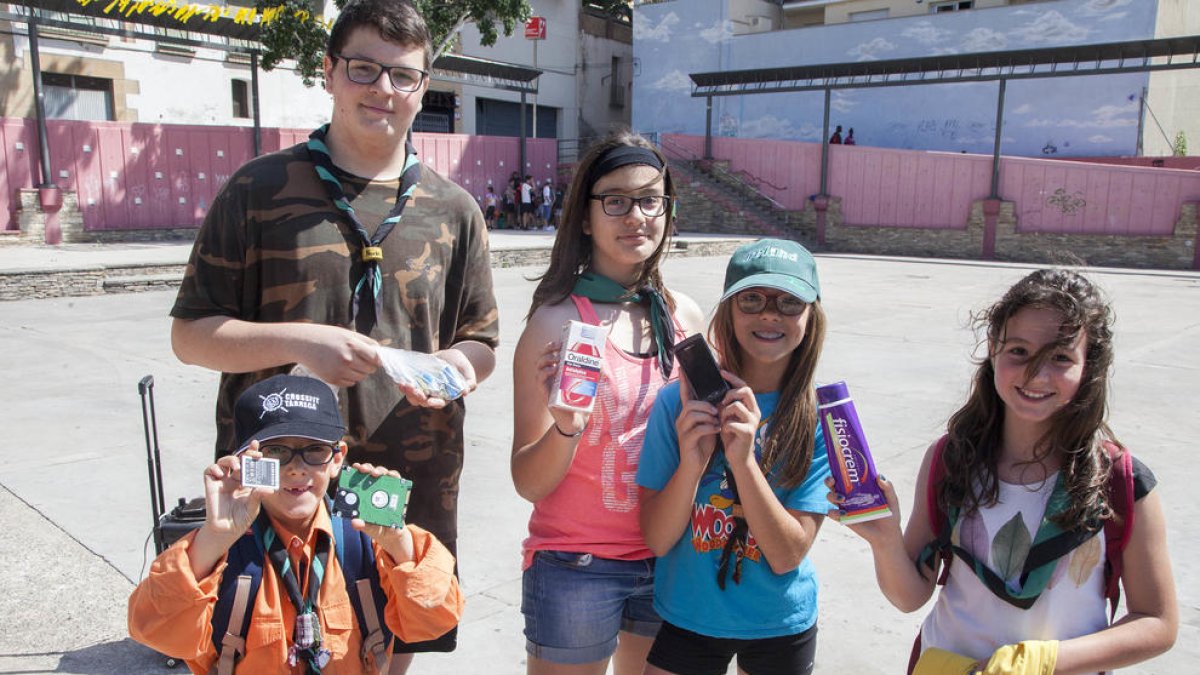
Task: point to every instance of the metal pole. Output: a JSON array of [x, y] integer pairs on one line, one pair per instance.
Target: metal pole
[[708, 127], [254, 102], [996, 149], [825, 145], [39, 96], [535, 134], [1141, 122], [521, 147]]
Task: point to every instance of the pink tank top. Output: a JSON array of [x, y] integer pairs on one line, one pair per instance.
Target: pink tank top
[[595, 507]]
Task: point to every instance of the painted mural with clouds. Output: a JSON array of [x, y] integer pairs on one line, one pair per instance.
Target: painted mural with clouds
[[1076, 116]]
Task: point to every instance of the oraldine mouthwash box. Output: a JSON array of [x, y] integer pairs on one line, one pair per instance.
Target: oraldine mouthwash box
[[579, 366]]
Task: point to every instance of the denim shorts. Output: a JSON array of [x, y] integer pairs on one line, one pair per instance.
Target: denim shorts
[[575, 604]]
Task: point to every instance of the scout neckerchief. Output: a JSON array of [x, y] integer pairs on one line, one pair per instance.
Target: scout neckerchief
[[600, 288], [1050, 544], [370, 284], [736, 545], [306, 636]]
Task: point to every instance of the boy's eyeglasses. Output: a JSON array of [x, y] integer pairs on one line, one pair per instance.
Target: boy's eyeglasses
[[365, 71], [318, 454], [754, 302], [619, 205]]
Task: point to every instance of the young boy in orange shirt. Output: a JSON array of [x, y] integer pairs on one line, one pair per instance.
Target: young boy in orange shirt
[[296, 420]]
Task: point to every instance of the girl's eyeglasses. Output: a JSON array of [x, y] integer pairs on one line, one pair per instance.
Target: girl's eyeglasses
[[318, 454], [619, 205], [402, 78], [754, 302]]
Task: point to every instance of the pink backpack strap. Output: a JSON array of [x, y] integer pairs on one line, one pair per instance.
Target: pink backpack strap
[[939, 520], [587, 313], [1119, 528]]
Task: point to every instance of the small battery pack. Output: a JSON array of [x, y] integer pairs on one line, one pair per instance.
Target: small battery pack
[[262, 473]]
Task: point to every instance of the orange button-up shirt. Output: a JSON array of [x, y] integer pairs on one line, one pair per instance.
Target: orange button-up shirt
[[171, 611]]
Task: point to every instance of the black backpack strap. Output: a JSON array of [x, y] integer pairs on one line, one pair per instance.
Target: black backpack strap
[[356, 556], [235, 601]]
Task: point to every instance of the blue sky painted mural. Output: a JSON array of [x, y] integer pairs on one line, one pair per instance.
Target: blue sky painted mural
[[1072, 116]]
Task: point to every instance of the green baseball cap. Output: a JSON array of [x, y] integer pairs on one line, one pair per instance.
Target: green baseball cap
[[773, 263]]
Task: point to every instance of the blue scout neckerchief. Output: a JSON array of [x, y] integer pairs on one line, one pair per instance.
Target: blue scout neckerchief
[[370, 284], [600, 288], [306, 636]]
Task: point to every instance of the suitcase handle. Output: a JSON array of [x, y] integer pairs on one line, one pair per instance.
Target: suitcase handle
[[153, 457]]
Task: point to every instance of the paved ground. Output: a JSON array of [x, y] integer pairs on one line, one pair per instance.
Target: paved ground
[[74, 494]]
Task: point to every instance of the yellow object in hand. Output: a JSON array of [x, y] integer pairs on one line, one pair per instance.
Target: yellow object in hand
[[1031, 657], [936, 661]]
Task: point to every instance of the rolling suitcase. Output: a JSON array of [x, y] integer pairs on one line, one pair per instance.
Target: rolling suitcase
[[187, 515]]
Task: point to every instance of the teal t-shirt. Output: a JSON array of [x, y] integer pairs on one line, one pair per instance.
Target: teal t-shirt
[[686, 594]]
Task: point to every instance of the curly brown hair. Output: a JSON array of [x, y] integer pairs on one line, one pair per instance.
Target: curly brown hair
[[788, 446], [572, 251], [1076, 432]]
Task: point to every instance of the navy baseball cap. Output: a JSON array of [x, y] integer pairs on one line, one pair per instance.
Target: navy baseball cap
[[287, 405]]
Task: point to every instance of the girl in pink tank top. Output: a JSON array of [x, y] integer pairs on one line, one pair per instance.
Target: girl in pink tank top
[[588, 582]]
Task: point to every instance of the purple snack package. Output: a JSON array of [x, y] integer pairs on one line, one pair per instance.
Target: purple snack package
[[849, 457]]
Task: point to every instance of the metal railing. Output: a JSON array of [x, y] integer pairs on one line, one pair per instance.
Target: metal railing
[[743, 180]]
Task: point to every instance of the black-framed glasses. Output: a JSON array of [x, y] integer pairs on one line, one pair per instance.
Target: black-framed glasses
[[754, 302], [317, 454], [618, 205], [366, 71]]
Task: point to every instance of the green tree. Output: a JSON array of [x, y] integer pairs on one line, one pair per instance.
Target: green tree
[[295, 34], [1179, 147]]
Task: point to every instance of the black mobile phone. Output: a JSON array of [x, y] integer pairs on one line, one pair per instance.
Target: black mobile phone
[[700, 368]]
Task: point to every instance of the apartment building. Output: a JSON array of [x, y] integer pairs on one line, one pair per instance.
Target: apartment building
[[183, 73]]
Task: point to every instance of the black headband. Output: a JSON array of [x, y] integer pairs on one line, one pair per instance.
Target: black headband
[[619, 156]]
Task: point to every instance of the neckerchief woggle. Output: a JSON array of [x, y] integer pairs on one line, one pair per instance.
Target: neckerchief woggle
[[370, 284], [600, 288], [307, 643], [1050, 544]]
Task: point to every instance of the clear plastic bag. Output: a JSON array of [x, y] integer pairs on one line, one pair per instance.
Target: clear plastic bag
[[432, 376]]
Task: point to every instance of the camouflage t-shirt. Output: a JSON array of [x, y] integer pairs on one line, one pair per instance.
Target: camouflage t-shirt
[[274, 248]]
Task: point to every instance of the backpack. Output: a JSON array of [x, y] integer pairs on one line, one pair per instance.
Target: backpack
[[1116, 530], [243, 576]]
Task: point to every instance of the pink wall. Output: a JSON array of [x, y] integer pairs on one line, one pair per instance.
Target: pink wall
[[912, 188], [1083, 198], [144, 176]]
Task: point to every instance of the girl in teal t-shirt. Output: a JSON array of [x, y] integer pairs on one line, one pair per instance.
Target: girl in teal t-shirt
[[733, 494]]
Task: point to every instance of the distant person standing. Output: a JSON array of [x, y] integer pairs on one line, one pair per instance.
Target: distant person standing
[[556, 212], [547, 207], [489, 207], [836, 138], [850, 137], [510, 204], [527, 203]]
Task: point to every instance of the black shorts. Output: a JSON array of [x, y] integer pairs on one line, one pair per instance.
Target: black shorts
[[491, 213], [681, 651]]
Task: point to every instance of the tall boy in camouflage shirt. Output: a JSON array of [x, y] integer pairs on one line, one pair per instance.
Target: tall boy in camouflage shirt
[[280, 274]]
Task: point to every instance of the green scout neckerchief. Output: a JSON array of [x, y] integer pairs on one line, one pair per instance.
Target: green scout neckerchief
[[306, 636], [1050, 544], [599, 288], [370, 284]]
